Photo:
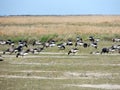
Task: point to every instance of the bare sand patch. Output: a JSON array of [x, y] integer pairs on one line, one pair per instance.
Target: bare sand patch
[[37, 71], [90, 74], [56, 63], [99, 86], [65, 75], [48, 56], [39, 77]]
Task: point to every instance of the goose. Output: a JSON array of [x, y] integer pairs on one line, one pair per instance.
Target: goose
[[94, 44], [22, 53], [36, 43], [73, 50], [22, 43], [2, 42], [85, 45], [37, 50], [50, 43], [9, 42], [105, 50], [79, 39], [116, 39], [91, 38], [9, 50], [79, 43], [18, 49], [69, 42], [114, 48], [61, 46]]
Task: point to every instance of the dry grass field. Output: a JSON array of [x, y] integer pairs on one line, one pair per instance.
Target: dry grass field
[[59, 25]]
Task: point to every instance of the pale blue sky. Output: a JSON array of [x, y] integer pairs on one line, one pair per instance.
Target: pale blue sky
[[59, 7]]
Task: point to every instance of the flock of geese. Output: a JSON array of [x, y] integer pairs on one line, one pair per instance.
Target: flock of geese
[[38, 46]]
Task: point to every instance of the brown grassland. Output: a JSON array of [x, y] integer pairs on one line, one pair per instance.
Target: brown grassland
[[60, 25]]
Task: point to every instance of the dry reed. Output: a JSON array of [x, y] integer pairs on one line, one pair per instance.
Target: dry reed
[[42, 25]]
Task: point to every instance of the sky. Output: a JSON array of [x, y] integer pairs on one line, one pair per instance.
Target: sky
[[59, 7]]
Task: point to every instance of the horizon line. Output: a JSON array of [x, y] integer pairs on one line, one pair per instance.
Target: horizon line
[[63, 15]]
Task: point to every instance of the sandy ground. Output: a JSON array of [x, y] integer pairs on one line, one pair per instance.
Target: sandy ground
[[99, 86], [71, 75], [54, 63], [65, 75]]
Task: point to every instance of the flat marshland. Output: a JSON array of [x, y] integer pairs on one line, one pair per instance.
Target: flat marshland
[[53, 69]]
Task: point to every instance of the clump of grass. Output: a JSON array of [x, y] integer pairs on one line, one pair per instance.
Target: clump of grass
[[117, 35], [109, 37], [45, 38]]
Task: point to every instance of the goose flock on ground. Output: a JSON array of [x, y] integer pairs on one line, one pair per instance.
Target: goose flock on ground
[[22, 47]]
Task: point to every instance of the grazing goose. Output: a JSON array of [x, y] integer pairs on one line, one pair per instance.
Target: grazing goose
[[94, 44], [61, 46], [22, 53], [36, 43], [50, 43], [85, 45], [18, 49], [9, 42], [10, 50], [2, 42], [116, 40], [79, 43], [69, 42], [73, 50], [114, 48], [105, 50], [37, 50], [22, 43], [91, 38], [79, 39]]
